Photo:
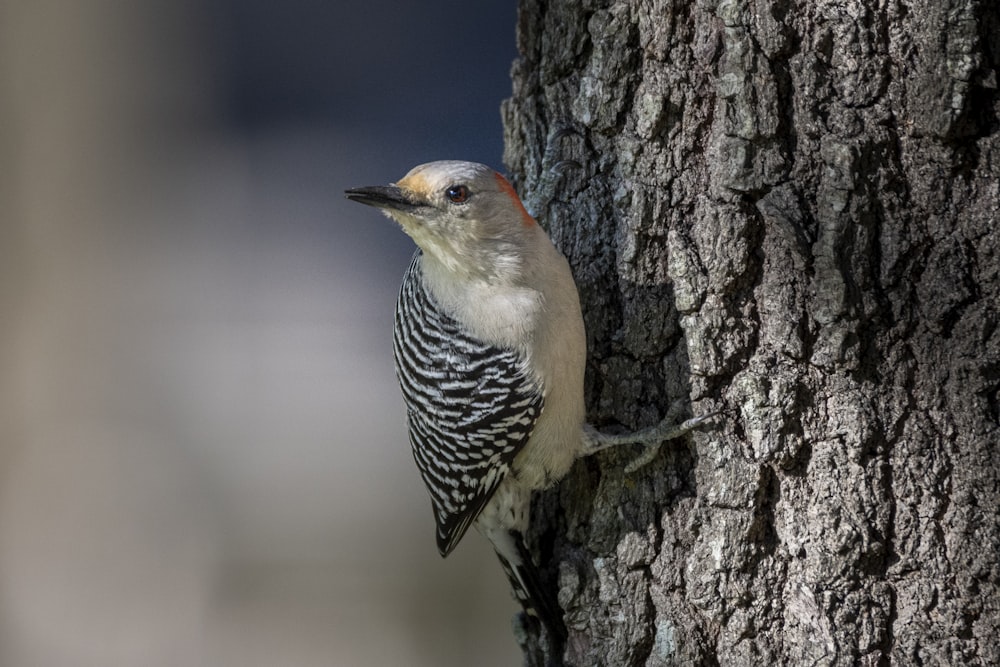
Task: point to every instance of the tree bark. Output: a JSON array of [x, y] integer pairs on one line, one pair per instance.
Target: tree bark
[[788, 212]]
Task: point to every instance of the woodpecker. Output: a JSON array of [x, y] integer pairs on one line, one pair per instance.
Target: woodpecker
[[490, 350]]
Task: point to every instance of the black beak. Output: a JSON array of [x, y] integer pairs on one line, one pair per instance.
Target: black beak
[[383, 196]]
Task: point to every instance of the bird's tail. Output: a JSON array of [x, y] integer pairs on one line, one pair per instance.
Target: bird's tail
[[537, 600]]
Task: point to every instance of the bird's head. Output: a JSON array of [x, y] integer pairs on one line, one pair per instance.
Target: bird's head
[[464, 215]]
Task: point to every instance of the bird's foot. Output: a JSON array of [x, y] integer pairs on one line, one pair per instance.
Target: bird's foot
[[652, 438]]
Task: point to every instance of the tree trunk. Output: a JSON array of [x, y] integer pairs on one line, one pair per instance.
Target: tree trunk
[[787, 212]]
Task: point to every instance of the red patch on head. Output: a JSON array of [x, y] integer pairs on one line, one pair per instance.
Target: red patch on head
[[509, 189]]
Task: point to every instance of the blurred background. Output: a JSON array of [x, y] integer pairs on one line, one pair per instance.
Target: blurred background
[[203, 457]]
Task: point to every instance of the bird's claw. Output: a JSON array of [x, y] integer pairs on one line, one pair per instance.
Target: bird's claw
[[667, 430]]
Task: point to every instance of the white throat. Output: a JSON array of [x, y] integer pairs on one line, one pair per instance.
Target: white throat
[[495, 311]]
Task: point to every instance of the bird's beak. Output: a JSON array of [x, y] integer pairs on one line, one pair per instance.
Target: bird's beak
[[383, 196]]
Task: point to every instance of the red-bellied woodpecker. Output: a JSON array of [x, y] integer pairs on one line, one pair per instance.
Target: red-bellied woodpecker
[[490, 352]]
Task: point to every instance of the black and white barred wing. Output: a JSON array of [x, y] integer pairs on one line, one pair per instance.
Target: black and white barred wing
[[470, 408]]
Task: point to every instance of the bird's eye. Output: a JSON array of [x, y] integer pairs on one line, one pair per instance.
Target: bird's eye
[[457, 194]]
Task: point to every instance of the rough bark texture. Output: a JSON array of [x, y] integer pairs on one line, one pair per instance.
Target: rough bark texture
[[787, 211]]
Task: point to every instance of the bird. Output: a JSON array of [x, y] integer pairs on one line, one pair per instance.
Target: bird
[[490, 350]]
